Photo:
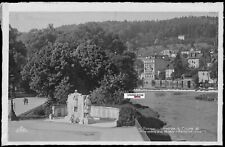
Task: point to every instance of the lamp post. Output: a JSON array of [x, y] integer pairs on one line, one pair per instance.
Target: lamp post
[[12, 115]]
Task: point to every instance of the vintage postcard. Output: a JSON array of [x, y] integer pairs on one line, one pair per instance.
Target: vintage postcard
[[112, 73]]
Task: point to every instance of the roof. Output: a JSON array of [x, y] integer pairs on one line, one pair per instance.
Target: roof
[[186, 75], [193, 58], [203, 70], [161, 64]]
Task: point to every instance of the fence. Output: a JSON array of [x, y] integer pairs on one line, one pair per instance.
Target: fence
[[176, 84]]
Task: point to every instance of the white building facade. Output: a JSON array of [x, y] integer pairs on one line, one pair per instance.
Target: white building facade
[[169, 73], [193, 62], [203, 76], [149, 70]]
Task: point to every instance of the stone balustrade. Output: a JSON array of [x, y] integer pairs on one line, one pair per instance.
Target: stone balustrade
[[104, 112], [96, 111]]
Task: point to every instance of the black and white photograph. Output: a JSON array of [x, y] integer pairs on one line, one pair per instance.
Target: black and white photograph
[[112, 73]]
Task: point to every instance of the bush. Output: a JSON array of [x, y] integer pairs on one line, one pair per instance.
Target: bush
[[179, 93], [43, 110], [207, 97], [38, 111], [127, 116], [160, 94], [98, 96], [150, 122]]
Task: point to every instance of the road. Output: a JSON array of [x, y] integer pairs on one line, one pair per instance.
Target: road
[[41, 130]]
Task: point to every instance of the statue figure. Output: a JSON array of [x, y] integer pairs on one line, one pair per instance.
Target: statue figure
[[72, 104], [87, 108]]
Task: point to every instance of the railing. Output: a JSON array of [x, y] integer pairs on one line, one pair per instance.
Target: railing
[[96, 111], [180, 84], [104, 112]]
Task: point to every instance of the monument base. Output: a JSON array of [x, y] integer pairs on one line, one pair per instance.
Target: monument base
[[89, 120]]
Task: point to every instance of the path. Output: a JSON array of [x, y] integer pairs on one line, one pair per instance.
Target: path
[[39, 130], [21, 108]]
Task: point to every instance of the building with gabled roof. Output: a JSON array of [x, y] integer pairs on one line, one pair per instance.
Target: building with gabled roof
[[193, 62]]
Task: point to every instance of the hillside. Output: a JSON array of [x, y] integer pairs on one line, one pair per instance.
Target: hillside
[[147, 37]]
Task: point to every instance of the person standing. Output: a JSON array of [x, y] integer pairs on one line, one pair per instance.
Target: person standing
[[27, 101], [24, 101]]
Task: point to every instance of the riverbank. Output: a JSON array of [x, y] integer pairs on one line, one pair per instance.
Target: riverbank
[[174, 90]]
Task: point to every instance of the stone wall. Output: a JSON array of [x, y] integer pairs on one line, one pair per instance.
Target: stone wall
[[59, 110]]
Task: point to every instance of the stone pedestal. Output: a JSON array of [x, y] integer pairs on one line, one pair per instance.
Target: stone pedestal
[[80, 109], [72, 107]]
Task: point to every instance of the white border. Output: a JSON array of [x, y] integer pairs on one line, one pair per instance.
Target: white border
[[122, 7], [5, 44]]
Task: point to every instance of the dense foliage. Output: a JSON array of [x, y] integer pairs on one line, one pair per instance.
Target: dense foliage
[[127, 116], [180, 67], [17, 56], [87, 59], [138, 34], [100, 57]]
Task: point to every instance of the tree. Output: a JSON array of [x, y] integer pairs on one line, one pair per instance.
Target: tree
[[162, 75], [94, 63], [111, 90], [125, 64], [179, 67], [62, 90], [214, 70], [36, 39], [17, 55], [139, 66], [51, 68], [196, 80], [86, 60]]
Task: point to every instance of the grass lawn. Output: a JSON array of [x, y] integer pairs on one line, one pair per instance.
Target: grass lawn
[[181, 110]]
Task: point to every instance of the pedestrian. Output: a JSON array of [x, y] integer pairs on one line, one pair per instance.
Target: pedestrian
[[24, 101], [27, 101]]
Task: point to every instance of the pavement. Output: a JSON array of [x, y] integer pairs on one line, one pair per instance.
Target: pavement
[[20, 108], [40, 130], [59, 130], [94, 123]]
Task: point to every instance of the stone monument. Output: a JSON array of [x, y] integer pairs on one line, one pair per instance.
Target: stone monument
[[72, 107], [87, 109], [78, 108]]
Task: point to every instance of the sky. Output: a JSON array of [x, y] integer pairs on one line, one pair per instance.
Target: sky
[[25, 21]]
